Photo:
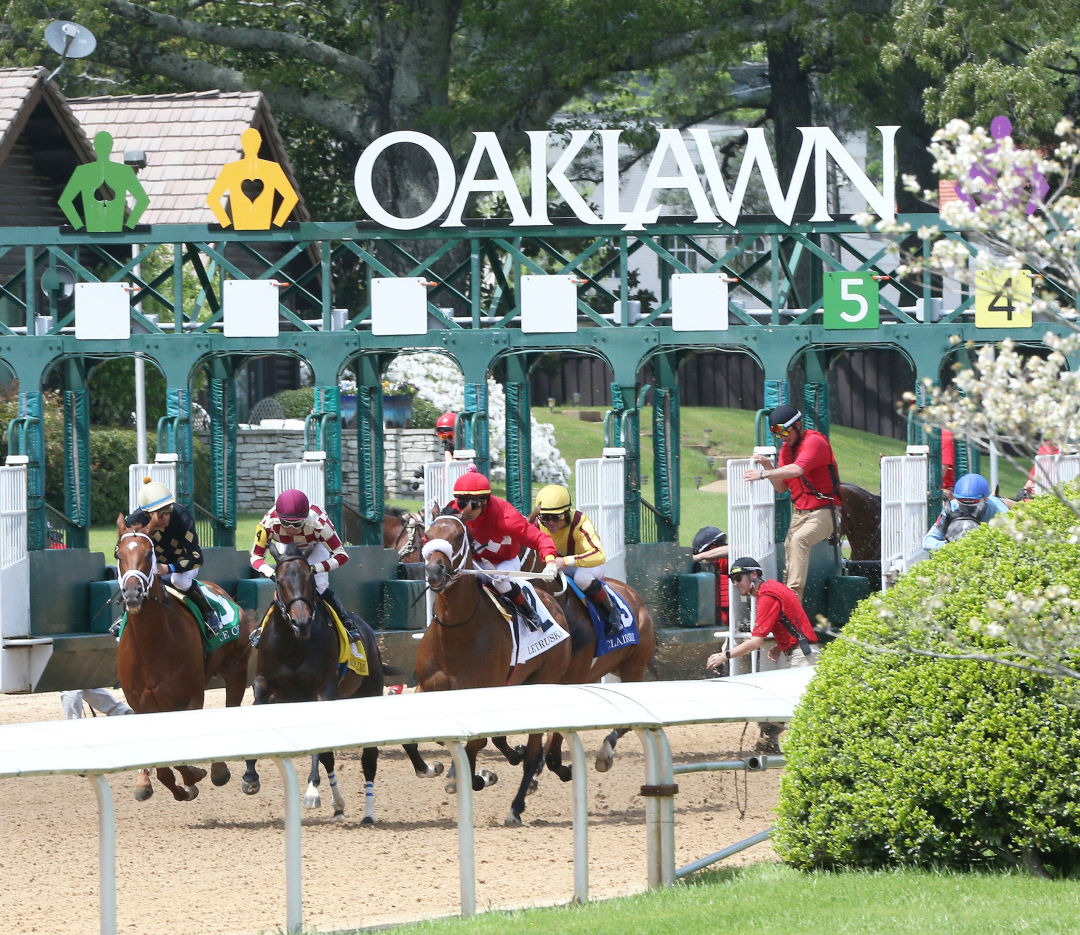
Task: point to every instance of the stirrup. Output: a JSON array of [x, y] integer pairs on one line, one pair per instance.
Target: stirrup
[[253, 637], [530, 616], [115, 628]]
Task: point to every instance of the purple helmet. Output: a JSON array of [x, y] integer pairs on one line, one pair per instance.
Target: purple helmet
[[292, 505]]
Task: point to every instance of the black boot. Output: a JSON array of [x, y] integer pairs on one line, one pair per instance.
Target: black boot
[[525, 608], [332, 600], [598, 595], [210, 616]]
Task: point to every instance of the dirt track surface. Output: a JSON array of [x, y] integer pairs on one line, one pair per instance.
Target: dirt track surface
[[216, 865]]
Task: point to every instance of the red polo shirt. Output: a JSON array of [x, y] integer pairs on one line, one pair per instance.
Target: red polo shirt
[[774, 599], [814, 455]]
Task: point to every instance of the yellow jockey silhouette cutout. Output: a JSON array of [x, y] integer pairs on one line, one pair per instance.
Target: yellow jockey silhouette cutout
[[251, 184]]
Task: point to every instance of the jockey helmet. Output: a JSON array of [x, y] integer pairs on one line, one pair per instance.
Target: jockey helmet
[[554, 498], [708, 537], [783, 418], [744, 566], [971, 487], [472, 482], [292, 505], [154, 496], [444, 425]]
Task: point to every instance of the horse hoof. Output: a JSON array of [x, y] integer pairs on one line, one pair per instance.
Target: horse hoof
[[312, 801], [533, 786], [142, 793], [251, 787], [339, 818], [451, 787], [198, 774], [219, 774], [565, 773], [604, 761], [435, 769], [367, 820], [192, 792], [512, 820], [516, 755], [488, 777]]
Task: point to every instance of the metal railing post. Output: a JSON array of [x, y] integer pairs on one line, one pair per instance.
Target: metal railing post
[[106, 853], [652, 807], [466, 844], [580, 780], [293, 895], [666, 816]]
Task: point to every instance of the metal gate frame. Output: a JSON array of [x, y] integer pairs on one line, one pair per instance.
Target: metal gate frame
[[905, 491], [308, 475], [600, 491]]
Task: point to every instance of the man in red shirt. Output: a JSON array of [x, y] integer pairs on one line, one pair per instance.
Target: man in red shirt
[[497, 533], [808, 469]]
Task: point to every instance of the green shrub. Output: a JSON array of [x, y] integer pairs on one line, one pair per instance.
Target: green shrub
[[424, 414], [297, 403], [907, 760]]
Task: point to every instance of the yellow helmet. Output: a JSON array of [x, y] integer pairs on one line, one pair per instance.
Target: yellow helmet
[[553, 498], [153, 496]]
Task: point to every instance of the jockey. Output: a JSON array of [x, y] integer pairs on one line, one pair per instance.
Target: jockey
[[581, 553], [176, 544], [497, 533], [972, 505], [444, 428], [294, 521]]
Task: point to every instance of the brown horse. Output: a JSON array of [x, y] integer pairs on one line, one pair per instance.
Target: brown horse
[[860, 522], [160, 660], [469, 645], [404, 532]]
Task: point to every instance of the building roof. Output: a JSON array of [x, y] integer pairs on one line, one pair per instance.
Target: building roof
[[187, 138], [21, 91]]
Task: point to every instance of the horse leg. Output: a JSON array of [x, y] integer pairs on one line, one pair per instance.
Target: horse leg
[[513, 754], [219, 773], [420, 765], [235, 686], [369, 760], [168, 780], [327, 760], [480, 781], [192, 775], [606, 756], [143, 789], [554, 758], [312, 799], [534, 759], [250, 784]]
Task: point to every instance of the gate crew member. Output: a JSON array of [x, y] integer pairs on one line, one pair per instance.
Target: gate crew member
[[710, 548], [581, 553], [294, 521], [498, 533], [176, 544], [808, 469], [971, 506]]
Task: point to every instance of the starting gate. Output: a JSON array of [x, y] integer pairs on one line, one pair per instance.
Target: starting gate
[[308, 475], [1054, 470], [23, 657], [163, 470], [439, 477], [600, 485], [904, 494], [751, 523]]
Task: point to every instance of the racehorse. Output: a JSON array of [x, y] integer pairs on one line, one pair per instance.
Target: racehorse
[[160, 660], [469, 645], [627, 662], [860, 522], [298, 661], [404, 532]]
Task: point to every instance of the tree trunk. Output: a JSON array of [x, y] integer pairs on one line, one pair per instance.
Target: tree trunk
[[789, 110]]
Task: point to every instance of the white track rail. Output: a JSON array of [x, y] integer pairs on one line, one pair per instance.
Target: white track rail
[[94, 748]]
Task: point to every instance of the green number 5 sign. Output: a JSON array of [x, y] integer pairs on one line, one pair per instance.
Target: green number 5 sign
[[851, 300]]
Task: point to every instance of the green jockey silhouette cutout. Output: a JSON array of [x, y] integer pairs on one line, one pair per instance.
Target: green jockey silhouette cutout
[[103, 214], [251, 184]]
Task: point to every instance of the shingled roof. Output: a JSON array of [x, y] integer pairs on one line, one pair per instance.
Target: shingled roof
[[21, 90], [187, 138]]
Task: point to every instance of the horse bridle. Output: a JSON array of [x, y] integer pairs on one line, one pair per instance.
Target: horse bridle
[[457, 556], [145, 580], [284, 606], [412, 529]]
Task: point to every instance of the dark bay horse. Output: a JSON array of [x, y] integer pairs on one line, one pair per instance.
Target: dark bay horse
[[860, 522], [160, 659], [404, 533], [298, 661], [469, 645]]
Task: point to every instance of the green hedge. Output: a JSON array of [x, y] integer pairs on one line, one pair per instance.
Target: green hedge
[[297, 403], [915, 761]]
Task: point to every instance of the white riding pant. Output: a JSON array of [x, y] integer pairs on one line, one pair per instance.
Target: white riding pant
[[583, 577], [320, 554], [181, 580], [100, 699], [502, 585]]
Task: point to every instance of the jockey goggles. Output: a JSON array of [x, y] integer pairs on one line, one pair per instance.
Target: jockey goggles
[[553, 517], [464, 503], [783, 430]]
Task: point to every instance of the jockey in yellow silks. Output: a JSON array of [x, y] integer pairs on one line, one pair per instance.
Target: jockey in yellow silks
[[581, 553]]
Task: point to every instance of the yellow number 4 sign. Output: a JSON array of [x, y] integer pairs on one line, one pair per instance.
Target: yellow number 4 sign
[[1002, 299]]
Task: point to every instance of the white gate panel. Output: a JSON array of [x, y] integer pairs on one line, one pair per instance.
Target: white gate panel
[[751, 533], [14, 562], [164, 472], [308, 475], [600, 490], [905, 486], [439, 477], [1054, 470]]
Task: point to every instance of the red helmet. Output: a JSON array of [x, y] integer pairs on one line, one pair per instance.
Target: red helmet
[[473, 482], [444, 426], [292, 505]]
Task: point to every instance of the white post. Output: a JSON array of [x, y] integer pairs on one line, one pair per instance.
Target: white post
[[106, 853], [993, 468], [140, 387], [666, 815], [293, 894], [652, 807], [466, 849], [580, 779]]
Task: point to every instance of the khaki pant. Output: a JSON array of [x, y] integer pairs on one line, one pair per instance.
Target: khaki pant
[[797, 659], [805, 531]]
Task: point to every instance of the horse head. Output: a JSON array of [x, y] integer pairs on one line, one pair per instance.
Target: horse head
[[295, 597], [136, 564], [445, 552]]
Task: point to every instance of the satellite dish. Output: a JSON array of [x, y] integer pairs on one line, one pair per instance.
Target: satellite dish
[[69, 40], [60, 280]]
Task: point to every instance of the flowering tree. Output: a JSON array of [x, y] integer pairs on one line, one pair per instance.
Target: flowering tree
[[1022, 404], [438, 380]]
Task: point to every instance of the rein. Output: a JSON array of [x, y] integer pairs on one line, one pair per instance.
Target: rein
[[284, 606], [146, 581]]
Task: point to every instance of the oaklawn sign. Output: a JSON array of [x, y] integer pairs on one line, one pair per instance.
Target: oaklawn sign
[[818, 143]]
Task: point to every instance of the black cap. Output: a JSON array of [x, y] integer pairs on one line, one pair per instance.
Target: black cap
[[744, 566], [707, 537], [784, 415]]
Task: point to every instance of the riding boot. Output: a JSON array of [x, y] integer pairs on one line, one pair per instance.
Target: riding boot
[[597, 593], [526, 609], [210, 616], [333, 601]]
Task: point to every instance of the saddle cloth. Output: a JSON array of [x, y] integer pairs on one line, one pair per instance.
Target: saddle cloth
[[528, 644], [627, 635], [350, 655], [228, 613]]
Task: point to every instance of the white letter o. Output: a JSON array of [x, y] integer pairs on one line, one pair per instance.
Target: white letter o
[[444, 166]]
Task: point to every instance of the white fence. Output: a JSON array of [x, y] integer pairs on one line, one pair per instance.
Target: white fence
[[163, 471], [23, 658], [1054, 470], [905, 483], [97, 747], [751, 523], [439, 477], [308, 475], [600, 490]]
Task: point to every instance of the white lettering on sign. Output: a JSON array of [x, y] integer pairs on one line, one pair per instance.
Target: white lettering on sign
[[818, 143]]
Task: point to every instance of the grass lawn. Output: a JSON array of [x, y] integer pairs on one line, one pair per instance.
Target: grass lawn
[[770, 899]]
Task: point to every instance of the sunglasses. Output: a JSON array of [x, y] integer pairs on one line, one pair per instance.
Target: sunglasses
[[465, 502], [780, 431], [551, 517]]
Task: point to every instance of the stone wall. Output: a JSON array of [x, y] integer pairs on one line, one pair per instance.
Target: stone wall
[[258, 450]]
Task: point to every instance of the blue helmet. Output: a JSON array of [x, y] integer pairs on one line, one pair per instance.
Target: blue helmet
[[971, 487]]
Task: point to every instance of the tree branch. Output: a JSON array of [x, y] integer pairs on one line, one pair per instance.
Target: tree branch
[[265, 40]]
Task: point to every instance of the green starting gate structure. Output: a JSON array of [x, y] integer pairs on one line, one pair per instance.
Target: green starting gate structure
[[476, 272]]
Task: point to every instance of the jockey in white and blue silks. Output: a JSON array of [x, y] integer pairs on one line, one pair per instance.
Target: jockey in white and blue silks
[[971, 506]]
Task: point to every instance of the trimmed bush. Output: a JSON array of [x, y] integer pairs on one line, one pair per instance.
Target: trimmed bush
[[912, 761], [297, 403], [424, 414]]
